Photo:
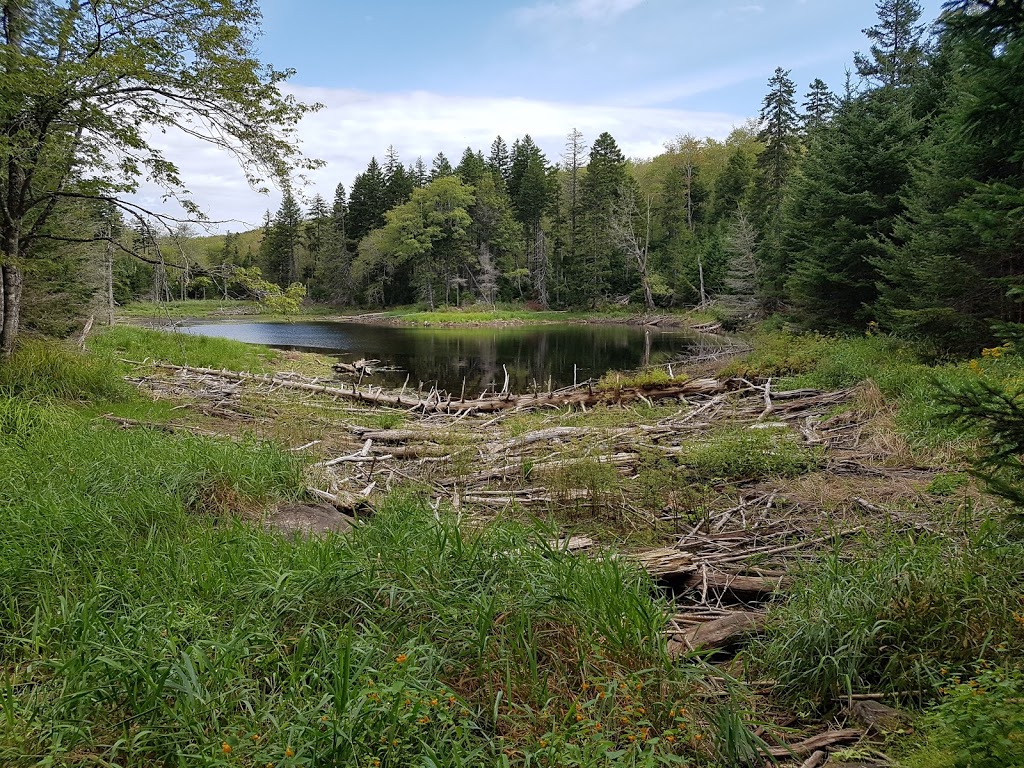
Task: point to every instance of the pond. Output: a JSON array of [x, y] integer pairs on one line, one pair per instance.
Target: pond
[[444, 357]]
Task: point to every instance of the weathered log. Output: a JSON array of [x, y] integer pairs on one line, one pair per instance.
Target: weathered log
[[719, 633], [815, 760], [813, 744], [742, 587], [488, 405], [875, 717]]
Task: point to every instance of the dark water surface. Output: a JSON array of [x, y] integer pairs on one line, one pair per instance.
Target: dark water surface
[[444, 356]]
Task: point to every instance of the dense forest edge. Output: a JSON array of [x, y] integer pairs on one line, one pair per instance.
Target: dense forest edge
[[803, 551]]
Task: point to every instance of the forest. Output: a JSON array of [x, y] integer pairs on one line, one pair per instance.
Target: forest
[[894, 204]]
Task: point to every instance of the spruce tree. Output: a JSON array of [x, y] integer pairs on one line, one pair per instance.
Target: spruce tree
[[957, 270], [398, 182], [440, 167], [315, 233], [819, 106], [780, 134], [334, 276], [282, 240], [898, 45], [367, 203], [500, 161], [845, 205], [603, 265], [531, 192], [471, 167]]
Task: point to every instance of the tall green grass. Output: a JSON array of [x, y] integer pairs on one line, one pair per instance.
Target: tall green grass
[[51, 369], [138, 344], [142, 624], [897, 613], [908, 376]]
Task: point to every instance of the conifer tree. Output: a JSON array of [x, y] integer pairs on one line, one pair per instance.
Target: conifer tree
[[531, 193], [957, 269], [500, 161], [819, 106], [780, 134], [440, 168], [334, 276], [282, 240], [398, 183], [845, 204], [317, 222], [603, 265], [367, 203], [471, 167], [898, 45]]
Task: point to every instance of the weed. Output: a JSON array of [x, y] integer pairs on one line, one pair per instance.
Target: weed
[[978, 724]]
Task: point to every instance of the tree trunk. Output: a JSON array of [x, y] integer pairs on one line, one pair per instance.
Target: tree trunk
[[109, 276], [12, 283]]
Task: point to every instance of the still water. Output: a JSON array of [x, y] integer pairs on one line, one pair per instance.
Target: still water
[[443, 357]]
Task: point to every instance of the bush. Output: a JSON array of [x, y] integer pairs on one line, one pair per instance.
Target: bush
[[979, 723]]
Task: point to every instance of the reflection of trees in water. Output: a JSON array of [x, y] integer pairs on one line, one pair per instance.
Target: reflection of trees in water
[[445, 356]]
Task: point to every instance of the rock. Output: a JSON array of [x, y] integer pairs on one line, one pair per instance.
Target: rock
[[309, 519]]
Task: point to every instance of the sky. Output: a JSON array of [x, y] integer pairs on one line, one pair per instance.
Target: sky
[[446, 74]]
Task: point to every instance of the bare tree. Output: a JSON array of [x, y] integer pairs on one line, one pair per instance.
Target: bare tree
[[740, 299], [630, 229]]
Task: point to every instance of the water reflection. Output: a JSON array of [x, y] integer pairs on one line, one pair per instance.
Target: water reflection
[[444, 357]]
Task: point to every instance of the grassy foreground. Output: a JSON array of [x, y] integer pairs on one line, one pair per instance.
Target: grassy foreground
[[145, 620], [144, 624]]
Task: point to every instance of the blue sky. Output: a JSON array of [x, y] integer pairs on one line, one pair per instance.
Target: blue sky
[[430, 76]]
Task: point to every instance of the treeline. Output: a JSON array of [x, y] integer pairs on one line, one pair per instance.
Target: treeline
[[510, 225], [895, 204]]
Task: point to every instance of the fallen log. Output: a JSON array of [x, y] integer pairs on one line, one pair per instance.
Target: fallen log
[[742, 587], [449, 405], [813, 744], [716, 634]]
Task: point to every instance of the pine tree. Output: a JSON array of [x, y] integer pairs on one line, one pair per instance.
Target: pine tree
[[780, 134], [819, 106], [283, 240], [315, 232], [604, 268], [500, 161], [398, 183], [531, 192], [471, 167], [334, 276], [898, 46], [367, 203], [958, 262], [419, 173], [571, 208], [440, 168], [845, 204]]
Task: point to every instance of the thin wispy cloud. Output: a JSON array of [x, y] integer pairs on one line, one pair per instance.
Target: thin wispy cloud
[[586, 10]]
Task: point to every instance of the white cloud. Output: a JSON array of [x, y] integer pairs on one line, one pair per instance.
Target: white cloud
[[588, 10], [355, 125]]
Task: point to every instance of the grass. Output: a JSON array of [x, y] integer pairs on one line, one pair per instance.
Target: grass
[[895, 614], [139, 344], [52, 370], [192, 308], [740, 453], [907, 376], [143, 621]]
